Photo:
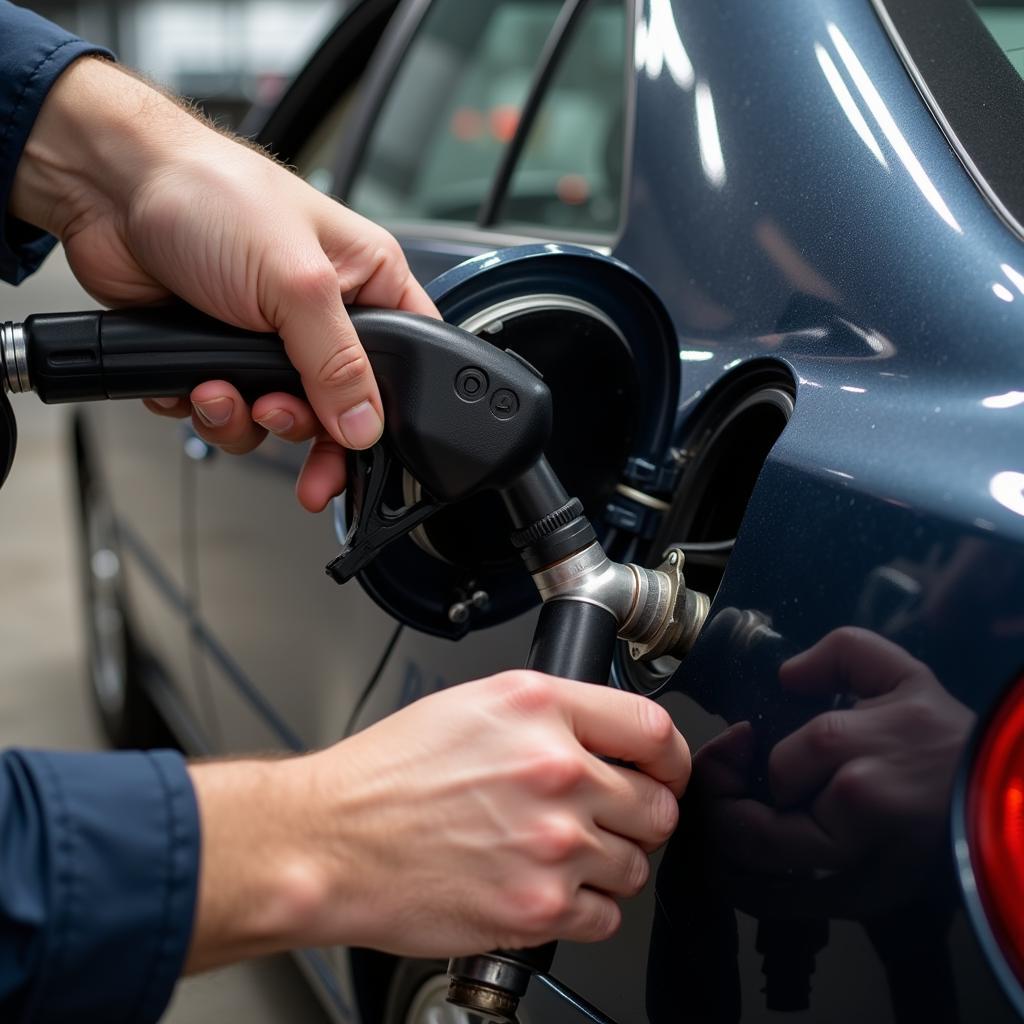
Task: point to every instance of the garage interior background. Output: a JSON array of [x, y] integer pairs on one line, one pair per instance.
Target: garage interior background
[[226, 56]]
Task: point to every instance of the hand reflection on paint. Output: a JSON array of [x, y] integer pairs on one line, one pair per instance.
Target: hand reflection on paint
[[870, 782]]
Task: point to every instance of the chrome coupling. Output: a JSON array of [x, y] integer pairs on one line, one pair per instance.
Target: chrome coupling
[[655, 611], [675, 624], [14, 358], [489, 986]]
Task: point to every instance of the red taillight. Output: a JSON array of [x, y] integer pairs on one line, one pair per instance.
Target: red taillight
[[995, 815]]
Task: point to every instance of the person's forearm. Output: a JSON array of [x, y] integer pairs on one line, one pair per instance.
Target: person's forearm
[[260, 885], [100, 134]]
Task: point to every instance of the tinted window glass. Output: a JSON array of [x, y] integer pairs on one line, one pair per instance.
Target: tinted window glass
[[570, 173], [315, 160], [452, 109], [969, 56], [1006, 23]]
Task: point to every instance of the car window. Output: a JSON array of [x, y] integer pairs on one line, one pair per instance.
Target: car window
[[453, 107], [316, 159], [968, 60], [1006, 23], [569, 175]]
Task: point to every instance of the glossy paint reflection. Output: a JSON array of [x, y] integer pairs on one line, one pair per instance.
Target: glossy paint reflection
[[822, 811], [835, 810], [659, 48], [887, 123]]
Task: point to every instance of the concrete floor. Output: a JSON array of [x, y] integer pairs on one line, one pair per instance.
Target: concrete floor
[[43, 699]]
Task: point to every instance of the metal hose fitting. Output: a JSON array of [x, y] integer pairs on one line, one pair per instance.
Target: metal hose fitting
[[656, 613], [13, 358], [490, 986]]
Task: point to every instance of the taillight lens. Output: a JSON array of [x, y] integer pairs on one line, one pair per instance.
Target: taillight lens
[[995, 815]]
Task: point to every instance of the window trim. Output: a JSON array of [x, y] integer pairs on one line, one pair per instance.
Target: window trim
[[380, 76], [987, 155], [287, 125], [548, 63]]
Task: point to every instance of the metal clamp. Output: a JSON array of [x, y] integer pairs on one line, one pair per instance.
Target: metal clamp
[[655, 611]]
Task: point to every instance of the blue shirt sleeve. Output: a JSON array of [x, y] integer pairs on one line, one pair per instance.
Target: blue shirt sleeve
[[33, 53], [99, 863]]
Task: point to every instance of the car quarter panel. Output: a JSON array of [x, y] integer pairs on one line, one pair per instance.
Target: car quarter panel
[[793, 198]]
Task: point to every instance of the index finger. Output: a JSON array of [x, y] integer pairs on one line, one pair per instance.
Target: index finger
[[627, 727], [323, 346]]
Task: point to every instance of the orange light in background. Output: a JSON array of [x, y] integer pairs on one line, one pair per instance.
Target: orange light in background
[[504, 121], [467, 124], [573, 189]]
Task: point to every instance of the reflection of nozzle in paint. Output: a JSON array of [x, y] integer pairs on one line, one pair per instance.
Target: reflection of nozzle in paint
[[789, 949]]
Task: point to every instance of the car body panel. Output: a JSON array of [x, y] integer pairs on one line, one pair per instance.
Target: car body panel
[[148, 478], [303, 648]]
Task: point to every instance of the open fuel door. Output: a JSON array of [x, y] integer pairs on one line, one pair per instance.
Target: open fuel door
[[607, 349]]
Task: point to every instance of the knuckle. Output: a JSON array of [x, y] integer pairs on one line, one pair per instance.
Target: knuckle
[[557, 838], [654, 721], [856, 785], [637, 872], [554, 772], [389, 251], [527, 692], [604, 921], [543, 906], [344, 367], [916, 717], [845, 638], [664, 815], [826, 731], [312, 282]]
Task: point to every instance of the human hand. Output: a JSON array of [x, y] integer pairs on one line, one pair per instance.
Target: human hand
[[873, 779], [478, 817], [149, 202]]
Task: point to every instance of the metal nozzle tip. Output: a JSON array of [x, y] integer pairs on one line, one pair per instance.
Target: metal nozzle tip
[[490, 1003], [13, 361]]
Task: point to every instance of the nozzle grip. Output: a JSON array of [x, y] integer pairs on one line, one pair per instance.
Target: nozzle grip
[[149, 353], [461, 415]]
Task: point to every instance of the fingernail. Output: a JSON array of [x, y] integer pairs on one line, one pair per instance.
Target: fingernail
[[216, 412], [361, 426], [278, 421], [166, 403]]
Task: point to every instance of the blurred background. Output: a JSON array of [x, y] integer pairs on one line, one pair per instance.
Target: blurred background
[[226, 56]]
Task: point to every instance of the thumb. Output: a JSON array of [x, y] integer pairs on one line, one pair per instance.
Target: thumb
[[324, 347]]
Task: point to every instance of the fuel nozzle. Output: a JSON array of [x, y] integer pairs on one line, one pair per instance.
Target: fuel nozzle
[[461, 417], [654, 611], [589, 601]]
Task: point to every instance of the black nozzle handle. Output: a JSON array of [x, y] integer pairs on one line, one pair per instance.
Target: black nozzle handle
[[460, 414], [149, 353]]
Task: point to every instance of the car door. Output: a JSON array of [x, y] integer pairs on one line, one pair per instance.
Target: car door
[[286, 652]]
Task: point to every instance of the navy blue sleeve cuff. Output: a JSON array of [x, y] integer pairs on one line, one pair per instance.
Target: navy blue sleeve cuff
[[122, 853], [33, 53]]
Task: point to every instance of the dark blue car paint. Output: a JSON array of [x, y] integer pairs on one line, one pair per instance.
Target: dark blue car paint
[[853, 249]]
